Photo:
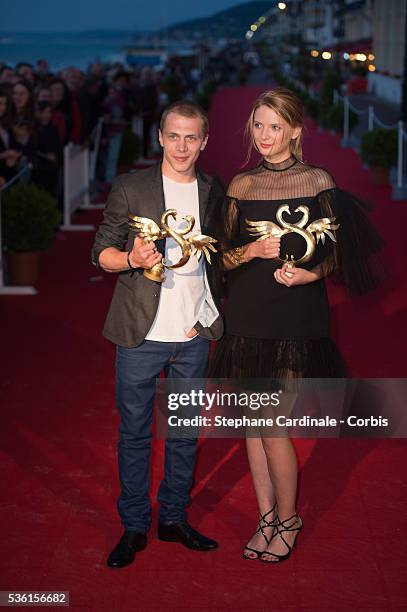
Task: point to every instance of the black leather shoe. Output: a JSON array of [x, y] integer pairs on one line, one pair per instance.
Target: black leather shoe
[[184, 533], [130, 543]]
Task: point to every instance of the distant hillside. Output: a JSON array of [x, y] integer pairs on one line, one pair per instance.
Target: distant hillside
[[232, 22]]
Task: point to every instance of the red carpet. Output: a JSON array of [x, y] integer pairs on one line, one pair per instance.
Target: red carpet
[[59, 433]]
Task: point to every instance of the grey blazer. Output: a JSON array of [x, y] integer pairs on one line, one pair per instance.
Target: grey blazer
[[135, 298]]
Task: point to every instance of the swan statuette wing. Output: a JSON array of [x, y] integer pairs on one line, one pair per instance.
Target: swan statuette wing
[[323, 227], [146, 228], [264, 229], [199, 243]]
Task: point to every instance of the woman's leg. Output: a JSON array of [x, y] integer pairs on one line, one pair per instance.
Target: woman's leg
[[282, 467], [260, 473], [264, 493], [283, 471]]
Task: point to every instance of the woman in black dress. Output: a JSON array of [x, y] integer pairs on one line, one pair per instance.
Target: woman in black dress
[[277, 314]]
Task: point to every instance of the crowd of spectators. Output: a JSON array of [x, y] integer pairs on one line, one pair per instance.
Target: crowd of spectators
[[41, 111]]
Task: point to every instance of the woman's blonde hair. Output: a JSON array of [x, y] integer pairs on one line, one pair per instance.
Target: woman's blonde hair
[[286, 104]]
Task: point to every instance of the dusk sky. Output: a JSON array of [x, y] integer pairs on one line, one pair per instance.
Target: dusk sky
[[76, 15]]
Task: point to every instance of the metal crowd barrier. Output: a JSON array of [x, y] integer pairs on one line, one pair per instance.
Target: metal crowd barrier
[[76, 184], [400, 188], [95, 138], [79, 172]]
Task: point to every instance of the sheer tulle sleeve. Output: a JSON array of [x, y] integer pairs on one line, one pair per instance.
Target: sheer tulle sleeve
[[354, 260], [230, 223], [229, 215]]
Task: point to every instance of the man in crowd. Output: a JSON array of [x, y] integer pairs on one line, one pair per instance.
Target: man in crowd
[[159, 326]]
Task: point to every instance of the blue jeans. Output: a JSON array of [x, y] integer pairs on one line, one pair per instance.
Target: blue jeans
[[136, 372]]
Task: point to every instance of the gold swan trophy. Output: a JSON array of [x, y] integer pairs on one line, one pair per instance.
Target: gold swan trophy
[[150, 231], [321, 228]]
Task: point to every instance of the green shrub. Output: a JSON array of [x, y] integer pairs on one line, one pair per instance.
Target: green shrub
[[331, 82], [333, 119], [379, 148], [30, 217], [312, 107]]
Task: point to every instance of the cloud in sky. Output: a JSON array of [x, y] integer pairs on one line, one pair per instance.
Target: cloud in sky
[[77, 15]]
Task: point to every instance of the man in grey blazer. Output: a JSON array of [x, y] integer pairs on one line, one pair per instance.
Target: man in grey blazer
[[159, 326]]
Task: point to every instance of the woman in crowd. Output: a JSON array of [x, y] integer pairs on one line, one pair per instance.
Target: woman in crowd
[[48, 150], [9, 155], [277, 316], [23, 102], [63, 101]]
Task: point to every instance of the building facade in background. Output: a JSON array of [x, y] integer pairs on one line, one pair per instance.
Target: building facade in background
[[375, 29], [389, 33], [319, 23], [356, 20]]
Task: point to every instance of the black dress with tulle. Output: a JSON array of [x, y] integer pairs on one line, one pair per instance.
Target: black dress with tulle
[[277, 331]]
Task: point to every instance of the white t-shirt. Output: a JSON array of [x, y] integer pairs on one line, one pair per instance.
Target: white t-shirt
[[183, 291]]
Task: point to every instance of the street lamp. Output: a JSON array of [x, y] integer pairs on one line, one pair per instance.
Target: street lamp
[[263, 19]]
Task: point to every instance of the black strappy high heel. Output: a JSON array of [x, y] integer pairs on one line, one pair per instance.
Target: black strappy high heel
[[282, 527], [262, 524]]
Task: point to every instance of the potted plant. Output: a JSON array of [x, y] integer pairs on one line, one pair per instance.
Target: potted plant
[[379, 151], [311, 106], [332, 81], [334, 118], [30, 218]]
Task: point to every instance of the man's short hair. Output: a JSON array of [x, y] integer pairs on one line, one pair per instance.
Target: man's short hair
[[22, 64], [186, 109]]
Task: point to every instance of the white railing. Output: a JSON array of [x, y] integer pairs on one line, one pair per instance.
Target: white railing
[[12, 289], [76, 186], [95, 138], [400, 190]]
